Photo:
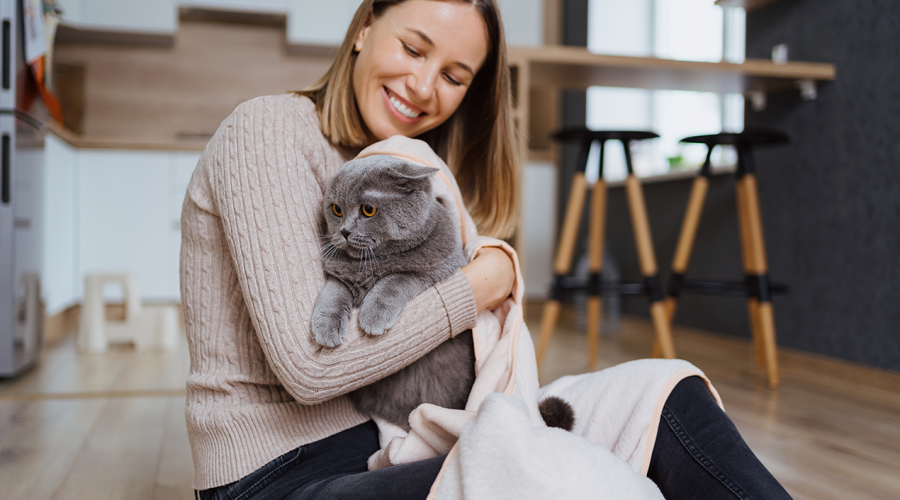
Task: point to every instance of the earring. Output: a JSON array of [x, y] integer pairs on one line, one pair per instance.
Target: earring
[[356, 48]]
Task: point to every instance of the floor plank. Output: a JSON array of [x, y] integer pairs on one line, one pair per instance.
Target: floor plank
[[39, 441], [175, 468], [119, 458]]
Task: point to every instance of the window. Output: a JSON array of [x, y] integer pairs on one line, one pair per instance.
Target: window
[[695, 30]]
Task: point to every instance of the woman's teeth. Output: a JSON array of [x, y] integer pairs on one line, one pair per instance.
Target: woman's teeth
[[399, 106]]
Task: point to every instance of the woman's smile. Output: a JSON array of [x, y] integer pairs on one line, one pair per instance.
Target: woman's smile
[[402, 109]]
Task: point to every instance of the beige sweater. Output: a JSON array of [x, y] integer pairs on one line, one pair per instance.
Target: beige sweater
[[259, 385]]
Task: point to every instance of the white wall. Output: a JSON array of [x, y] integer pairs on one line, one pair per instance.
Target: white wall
[[621, 28], [523, 21], [538, 227]]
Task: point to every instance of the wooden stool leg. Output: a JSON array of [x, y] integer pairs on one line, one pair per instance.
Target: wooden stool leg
[[563, 263], [747, 249], [688, 235], [758, 267], [595, 268], [685, 244], [644, 242]]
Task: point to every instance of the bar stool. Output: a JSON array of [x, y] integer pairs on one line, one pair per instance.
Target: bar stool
[[569, 235], [756, 286]]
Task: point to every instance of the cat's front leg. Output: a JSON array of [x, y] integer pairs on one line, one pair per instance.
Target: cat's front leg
[[386, 299], [331, 316]]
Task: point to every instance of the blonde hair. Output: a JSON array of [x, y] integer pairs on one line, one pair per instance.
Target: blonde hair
[[478, 141]]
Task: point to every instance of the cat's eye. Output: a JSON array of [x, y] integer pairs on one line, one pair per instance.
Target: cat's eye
[[368, 210], [337, 210]]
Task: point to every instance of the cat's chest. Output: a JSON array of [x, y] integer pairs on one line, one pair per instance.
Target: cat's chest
[[359, 275]]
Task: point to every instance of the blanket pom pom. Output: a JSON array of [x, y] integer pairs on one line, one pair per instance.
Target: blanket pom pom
[[557, 413]]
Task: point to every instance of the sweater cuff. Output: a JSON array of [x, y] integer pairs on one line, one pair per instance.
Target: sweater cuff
[[459, 301]]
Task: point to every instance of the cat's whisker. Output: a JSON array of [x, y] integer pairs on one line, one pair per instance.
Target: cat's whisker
[[375, 261], [326, 258]]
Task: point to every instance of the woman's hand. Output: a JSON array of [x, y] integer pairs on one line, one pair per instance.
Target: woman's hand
[[491, 276]]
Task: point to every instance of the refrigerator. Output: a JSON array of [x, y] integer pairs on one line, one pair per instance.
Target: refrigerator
[[22, 115]]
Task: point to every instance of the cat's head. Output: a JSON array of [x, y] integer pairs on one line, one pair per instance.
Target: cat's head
[[379, 204]]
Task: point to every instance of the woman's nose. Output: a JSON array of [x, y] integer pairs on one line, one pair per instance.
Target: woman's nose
[[424, 81]]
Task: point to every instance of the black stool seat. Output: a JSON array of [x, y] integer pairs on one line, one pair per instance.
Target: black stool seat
[[586, 134], [748, 137]]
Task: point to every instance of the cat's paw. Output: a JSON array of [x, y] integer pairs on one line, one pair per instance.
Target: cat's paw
[[376, 318], [329, 330]]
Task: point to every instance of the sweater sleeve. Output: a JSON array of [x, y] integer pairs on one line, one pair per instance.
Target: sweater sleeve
[[265, 173]]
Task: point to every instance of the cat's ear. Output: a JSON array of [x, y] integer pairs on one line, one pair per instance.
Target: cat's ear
[[412, 175]]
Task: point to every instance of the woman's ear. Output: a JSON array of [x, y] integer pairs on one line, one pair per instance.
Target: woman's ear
[[363, 33]]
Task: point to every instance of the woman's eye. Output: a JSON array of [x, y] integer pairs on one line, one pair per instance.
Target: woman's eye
[[453, 81], [337, 210], [411, 51], [368, 210]]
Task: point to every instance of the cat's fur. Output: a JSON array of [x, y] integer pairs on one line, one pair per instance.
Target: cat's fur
[[379, 263]]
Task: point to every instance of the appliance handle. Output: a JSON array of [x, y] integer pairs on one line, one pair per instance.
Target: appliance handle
[[5, 168], [7, 54]]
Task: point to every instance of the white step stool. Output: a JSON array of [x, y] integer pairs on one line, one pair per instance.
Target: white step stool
[[147, 327]]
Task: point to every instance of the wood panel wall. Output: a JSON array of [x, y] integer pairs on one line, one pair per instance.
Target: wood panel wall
[[179, 93]]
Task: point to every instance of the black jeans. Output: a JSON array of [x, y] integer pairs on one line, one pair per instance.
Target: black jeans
[[698, 454]]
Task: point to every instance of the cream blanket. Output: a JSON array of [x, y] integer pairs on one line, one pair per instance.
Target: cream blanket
[[499, 447]]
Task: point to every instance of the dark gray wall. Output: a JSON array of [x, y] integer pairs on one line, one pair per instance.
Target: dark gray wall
[[830, 200]]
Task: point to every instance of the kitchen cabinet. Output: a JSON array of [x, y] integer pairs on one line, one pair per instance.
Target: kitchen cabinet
[[139, 16], [112, 211]]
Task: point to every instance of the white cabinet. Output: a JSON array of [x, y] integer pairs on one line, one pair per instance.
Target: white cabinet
[[124, 216], [60, 258], [140, 16], [267, 6], [312, 22], [309, 22], [111, 211]]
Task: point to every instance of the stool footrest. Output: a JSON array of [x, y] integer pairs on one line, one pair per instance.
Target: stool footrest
[[724, 287], [593, 286]]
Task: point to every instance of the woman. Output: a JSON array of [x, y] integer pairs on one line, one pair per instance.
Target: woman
[[267, 411]]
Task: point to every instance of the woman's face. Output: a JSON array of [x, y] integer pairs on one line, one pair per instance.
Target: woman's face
[[415, 64]]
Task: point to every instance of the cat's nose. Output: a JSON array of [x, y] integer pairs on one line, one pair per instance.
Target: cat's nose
[[346, 233]]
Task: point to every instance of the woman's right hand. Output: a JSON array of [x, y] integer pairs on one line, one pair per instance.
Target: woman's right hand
[[491, 276]]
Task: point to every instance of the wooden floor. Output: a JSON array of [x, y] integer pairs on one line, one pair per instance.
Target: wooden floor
[[112, 425]]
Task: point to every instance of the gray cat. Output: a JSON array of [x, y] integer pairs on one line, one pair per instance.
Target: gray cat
[[388, 239]]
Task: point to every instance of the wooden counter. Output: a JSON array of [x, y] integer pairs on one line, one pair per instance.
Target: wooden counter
[[576, 68], [539, 72]]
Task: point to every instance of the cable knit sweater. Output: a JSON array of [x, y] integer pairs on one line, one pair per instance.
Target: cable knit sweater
[[259, 385]]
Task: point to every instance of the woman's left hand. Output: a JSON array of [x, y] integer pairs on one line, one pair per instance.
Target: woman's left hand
[[491, 276]]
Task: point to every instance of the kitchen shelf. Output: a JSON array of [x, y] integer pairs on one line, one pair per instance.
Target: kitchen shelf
[[576, 68]]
